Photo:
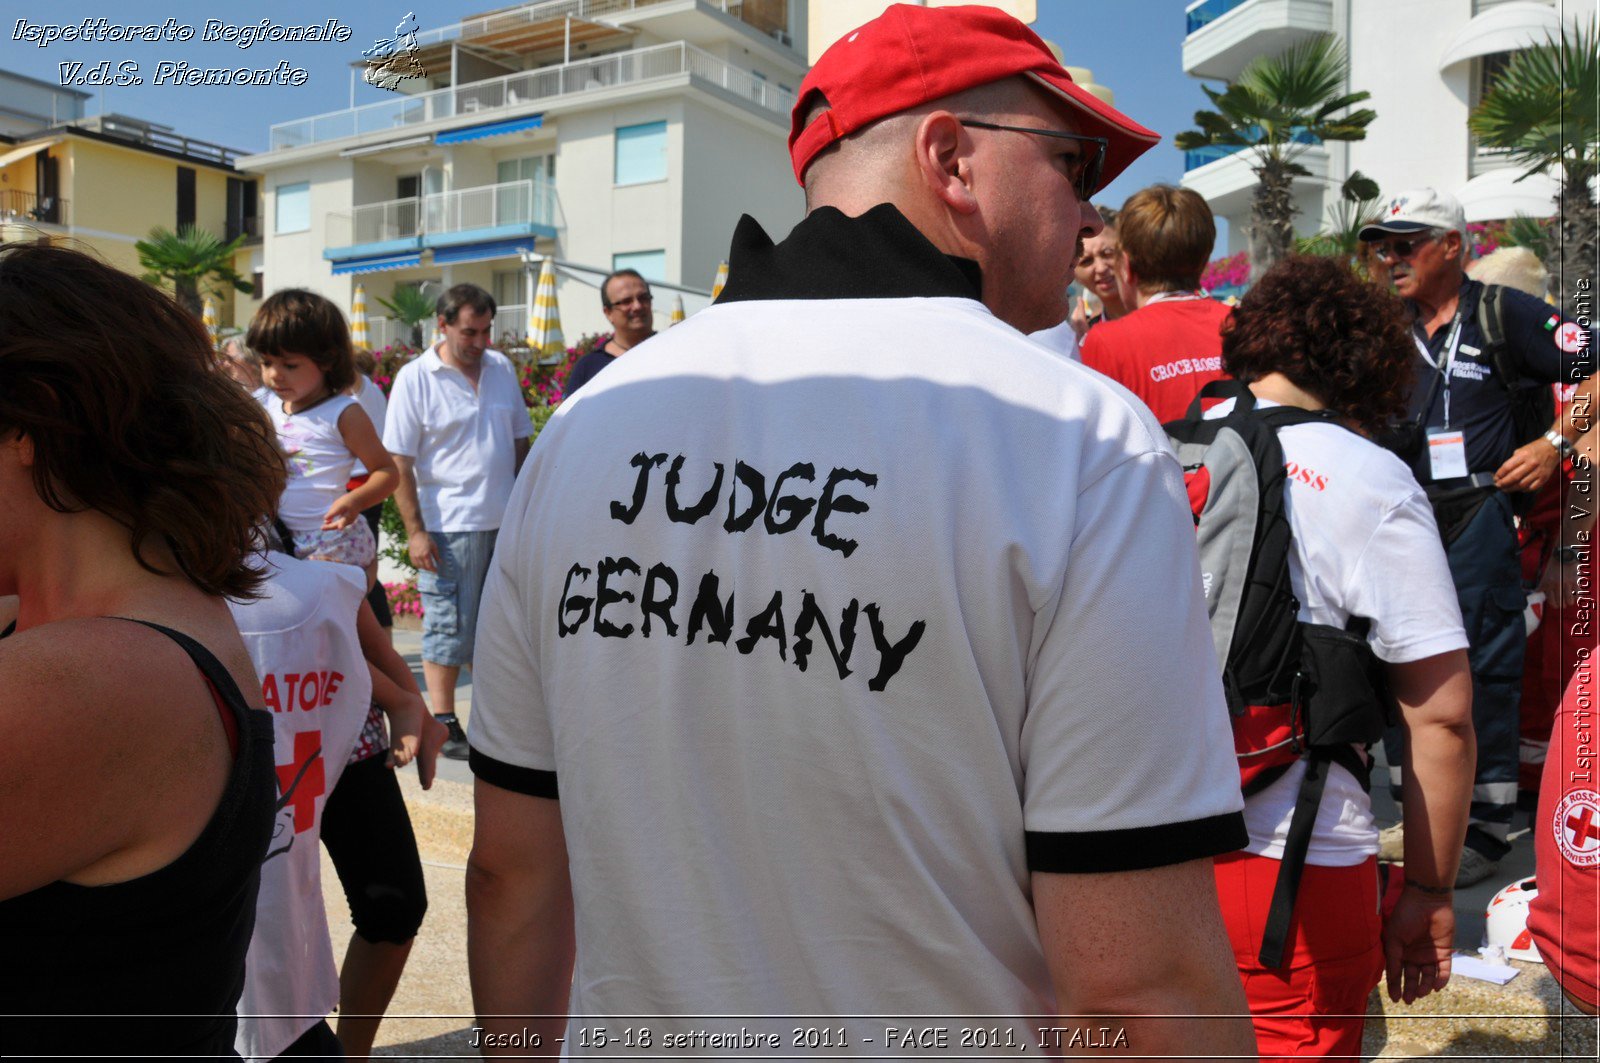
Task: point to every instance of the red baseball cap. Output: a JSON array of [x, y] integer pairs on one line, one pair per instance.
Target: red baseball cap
[[910, 55]]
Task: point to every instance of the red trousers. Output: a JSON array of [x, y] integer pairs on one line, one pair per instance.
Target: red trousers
[[1316, 1004]]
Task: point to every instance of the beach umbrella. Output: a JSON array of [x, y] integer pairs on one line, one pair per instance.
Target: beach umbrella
[[358, 320], [677, 311], [544, 324], [722, 279], [208, 318]]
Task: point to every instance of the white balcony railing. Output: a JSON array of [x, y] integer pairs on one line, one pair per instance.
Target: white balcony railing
[[483, 207], [547, 84], [489, 206], [530, 14], [370, 223]]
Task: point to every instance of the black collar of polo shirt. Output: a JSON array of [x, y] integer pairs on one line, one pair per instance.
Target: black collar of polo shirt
[[879, 255]]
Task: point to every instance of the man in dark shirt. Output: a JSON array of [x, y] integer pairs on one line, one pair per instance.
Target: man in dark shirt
[[1462, 442], [625, 297]]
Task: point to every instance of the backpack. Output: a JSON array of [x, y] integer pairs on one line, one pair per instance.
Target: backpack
[[1294, 690], [1533, 404]]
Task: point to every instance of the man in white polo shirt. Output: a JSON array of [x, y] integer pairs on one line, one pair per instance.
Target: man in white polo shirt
[[458, 429]]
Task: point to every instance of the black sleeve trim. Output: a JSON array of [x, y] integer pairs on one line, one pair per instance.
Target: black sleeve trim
[[513, 777], [1135, 849]]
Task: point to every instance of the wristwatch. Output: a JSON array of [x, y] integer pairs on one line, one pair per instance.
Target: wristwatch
[[1562, 444]]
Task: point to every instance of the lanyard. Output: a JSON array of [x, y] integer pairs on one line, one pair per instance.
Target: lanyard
[[1446, 359]]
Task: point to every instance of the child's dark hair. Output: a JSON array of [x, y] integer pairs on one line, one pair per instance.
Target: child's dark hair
[[295, 321]]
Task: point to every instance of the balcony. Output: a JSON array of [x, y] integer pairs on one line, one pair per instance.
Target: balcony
[[489, 221], [1225, 179], [29, 208], [1224, 35], [542, 87]]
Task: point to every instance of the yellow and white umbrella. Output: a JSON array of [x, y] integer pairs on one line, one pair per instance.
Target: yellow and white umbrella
[[677, 311], [721, 281], [208, 318], [544, 324], [358, 320]]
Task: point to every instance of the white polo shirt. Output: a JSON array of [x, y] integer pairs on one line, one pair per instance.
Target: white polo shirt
[[463, 439]]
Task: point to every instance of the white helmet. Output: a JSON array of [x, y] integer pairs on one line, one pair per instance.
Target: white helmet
[[1507, 925]]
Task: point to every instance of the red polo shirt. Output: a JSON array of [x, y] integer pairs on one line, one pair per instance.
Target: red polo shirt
[[1164, 352]]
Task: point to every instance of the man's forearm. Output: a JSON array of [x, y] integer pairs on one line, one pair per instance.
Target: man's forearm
[[405, 495], [519, 956], [1435, 696]]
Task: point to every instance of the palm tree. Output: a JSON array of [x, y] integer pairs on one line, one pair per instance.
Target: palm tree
[[1357, 206], [1543, 110], [191, 260], [411, 308], [1280, 106]]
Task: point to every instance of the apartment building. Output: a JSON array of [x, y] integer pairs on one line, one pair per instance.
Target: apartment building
[[600, 133], [100, 183], [1426, 64]]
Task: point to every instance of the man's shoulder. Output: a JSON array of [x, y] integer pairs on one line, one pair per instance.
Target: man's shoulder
[[413, 370]]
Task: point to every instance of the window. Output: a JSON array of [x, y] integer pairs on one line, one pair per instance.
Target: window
[[509, 286], [641, 153], [294, 208], [652, 265], [185, 196], [241, 215]]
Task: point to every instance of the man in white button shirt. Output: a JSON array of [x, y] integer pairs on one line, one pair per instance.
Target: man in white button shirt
[[458, 429]]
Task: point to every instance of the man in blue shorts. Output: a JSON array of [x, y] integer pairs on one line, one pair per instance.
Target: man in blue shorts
[[458, 429]]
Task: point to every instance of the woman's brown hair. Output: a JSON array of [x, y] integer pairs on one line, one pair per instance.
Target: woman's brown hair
[[1332, 334], [295, 321], [119, 391]]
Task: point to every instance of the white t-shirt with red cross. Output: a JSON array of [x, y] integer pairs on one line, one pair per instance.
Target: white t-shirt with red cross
[[301, 636]]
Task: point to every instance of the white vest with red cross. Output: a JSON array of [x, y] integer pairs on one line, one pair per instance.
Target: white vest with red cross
[[301, 636]]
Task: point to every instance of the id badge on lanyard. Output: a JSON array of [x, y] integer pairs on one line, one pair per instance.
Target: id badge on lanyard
[[1447, 447]]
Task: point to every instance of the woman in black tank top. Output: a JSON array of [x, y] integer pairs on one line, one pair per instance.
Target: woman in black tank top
[[138, 784]]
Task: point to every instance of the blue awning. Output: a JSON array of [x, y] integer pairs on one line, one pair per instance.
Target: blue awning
[[482, 251], [377, 263], [490, 129]]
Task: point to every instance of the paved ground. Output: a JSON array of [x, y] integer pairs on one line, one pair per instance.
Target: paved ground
[[430, 1017]]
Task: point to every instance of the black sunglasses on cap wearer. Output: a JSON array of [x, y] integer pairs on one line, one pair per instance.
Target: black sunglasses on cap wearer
[[1084, 170], [1392, 250]]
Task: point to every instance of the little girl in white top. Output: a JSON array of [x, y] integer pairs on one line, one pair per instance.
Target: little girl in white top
[[307, 362]]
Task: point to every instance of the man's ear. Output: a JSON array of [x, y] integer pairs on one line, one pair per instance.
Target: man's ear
[[944, 161]]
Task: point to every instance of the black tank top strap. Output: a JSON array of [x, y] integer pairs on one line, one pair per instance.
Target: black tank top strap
[[225, 692]]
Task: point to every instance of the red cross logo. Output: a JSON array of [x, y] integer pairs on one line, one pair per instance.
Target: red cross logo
[[1577, 828], [1583, 828], [301, 781]]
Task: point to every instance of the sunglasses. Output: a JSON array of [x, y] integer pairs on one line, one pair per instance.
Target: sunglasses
[[643, 300], [1083, 169], [1394, 250]]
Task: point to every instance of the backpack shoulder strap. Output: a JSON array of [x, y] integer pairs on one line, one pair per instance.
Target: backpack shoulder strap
[[1492, 324]]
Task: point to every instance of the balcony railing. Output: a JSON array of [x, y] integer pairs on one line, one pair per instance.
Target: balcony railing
[[491, 206], [544, 85], [1195, 158], [768, 16], [1204, 14], [526, 202], [15, 203]]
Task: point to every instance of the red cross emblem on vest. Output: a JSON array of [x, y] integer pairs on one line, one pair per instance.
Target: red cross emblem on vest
[[1577, 828], [301, 781]]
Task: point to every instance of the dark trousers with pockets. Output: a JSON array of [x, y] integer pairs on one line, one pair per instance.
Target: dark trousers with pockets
[[1481, 543]]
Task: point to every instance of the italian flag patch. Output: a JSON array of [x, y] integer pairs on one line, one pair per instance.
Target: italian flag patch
[[1550, 326]]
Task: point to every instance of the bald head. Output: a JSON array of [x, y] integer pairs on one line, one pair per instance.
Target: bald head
[[999, 197]]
